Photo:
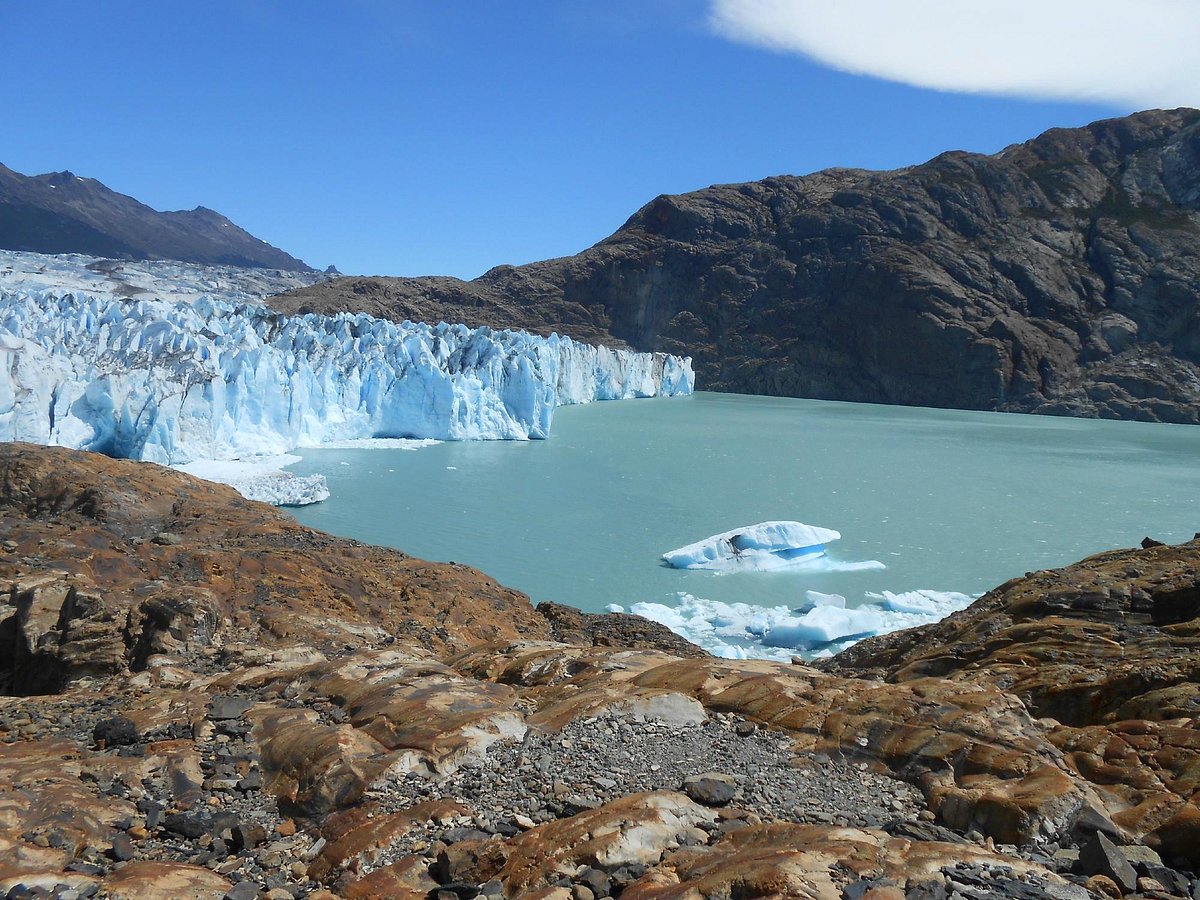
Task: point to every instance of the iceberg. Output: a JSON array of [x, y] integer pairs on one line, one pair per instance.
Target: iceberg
[[814, 599], [768, 545], [742, 631], [176, 381]]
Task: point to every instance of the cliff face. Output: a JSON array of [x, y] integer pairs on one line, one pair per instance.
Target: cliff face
[[1058, 276], [197, 691], [63, 213]]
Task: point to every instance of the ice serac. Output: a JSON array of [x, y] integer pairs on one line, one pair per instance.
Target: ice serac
[[768, 545], [175, 382]]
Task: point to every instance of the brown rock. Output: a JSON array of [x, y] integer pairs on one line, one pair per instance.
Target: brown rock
[[572, 626], [1104, 886], [1179, 836], [1097, 649], [407, 879], [631, 830], [788, 860], [192, 595], [154, 880], [472, 862], [357, 831]]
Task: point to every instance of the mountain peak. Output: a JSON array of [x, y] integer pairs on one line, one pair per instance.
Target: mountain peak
[[61, 212]]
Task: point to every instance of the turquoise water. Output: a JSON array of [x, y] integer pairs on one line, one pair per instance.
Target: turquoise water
[[946, 500]]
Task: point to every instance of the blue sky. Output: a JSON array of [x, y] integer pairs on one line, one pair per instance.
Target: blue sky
[[415, 138]]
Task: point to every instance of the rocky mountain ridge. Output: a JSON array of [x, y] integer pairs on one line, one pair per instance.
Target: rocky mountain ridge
[[61, 212], [204, 699], [1057, 276]]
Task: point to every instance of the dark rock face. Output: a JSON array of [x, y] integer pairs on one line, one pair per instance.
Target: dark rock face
[[115, 731], [1100, 856], [1058, 276], [63, 213]]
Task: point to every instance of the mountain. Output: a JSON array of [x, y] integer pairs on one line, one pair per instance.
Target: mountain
[[63, 213], [1059, 276]]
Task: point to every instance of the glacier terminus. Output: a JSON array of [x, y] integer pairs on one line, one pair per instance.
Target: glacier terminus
[[177, 381]]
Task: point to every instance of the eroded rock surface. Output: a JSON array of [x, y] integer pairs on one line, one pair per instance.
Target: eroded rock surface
[[205, 699], [1106, 653]]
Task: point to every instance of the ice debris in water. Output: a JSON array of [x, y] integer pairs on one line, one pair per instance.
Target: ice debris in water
[[820, 627], [174, 382], [262, 478], [768, 545]]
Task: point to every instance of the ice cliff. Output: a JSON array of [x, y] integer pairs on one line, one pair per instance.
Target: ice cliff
[[177, 381]]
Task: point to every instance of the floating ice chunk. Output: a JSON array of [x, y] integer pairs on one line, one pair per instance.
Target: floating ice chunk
[[938, 604], [822, 625], [768, 545], [380, 444], [816, 598], [741, 631], [262, 478]]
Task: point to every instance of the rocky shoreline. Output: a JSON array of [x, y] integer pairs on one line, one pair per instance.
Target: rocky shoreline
[[203, 699]]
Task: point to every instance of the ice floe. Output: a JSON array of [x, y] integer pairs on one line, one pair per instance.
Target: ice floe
[[820, 627], [262, 478], [761, 547]]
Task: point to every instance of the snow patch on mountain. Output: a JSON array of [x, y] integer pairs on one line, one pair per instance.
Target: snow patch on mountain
[[160, 279]]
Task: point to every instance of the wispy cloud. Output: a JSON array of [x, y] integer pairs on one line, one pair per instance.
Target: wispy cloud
[[1140, 53]]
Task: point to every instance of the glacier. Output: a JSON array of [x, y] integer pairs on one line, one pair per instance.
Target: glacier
[[765, 546], [164, 279], [182, 365], [173, 382]]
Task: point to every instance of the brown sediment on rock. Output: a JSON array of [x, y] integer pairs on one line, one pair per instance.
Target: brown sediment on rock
[[299, 711], [1106, 653], [95, 594]]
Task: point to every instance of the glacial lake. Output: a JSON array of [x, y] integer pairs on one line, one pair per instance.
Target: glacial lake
[[940, 500]]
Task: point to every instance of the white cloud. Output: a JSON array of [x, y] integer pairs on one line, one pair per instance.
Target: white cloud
[[1140, 53]]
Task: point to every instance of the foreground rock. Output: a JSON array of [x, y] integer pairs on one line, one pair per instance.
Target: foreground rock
[[1058, 276], [1107, 654], [248, 708]]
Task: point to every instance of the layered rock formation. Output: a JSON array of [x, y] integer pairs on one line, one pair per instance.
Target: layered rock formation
[[1107, 652], [61, 212], [205, 699], [1058, 276]]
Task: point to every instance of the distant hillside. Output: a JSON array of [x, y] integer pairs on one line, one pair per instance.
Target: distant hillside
[[63, 213], [1061, 276]]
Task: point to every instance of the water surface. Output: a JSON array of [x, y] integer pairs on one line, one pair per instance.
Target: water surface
[[946, 500]]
